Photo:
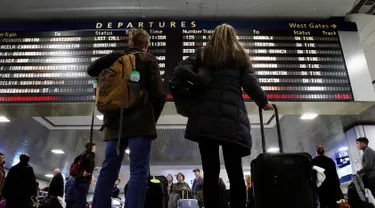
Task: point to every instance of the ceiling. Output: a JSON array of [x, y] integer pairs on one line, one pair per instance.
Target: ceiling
[[170, 149], [68, 9]]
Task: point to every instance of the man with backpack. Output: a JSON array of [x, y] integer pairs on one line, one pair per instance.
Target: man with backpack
[[85, 166], [130, 95]]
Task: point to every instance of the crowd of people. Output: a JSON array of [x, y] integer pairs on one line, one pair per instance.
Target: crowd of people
[[221, 70]]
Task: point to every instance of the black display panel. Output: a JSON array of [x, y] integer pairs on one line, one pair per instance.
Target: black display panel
[[292, 63]]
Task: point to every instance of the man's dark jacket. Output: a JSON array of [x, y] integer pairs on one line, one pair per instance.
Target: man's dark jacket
[[20, 183], [141, 119], [56, 187], [88, 164]]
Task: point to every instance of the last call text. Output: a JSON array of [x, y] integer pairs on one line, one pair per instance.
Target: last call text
[[146, 24]]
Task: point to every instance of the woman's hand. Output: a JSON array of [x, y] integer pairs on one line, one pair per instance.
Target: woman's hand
[[268, 107]]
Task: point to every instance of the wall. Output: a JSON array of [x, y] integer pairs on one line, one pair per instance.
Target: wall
[[366, 25]]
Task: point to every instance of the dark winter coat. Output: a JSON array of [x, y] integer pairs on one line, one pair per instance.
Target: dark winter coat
[[141, 119], [221, 116], [331, 185], [20, 183], [56, 187]]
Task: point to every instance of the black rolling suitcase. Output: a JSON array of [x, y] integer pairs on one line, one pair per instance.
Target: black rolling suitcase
[[283, 180]]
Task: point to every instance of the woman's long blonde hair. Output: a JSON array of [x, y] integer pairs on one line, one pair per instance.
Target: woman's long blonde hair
[[223, 48], [248, 182]]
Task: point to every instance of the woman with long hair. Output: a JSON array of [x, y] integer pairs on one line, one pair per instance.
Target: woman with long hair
[[223, 69], [170, 183], [249, 192]]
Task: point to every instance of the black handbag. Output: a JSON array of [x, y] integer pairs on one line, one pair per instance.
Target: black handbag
[[184, 95]]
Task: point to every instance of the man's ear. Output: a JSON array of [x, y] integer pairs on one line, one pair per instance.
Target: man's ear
[[147, 45]]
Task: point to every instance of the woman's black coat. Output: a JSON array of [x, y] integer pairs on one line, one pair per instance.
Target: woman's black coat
[[221, 116]]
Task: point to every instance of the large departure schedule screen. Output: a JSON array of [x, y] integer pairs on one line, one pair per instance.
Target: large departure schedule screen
[[48, 62]]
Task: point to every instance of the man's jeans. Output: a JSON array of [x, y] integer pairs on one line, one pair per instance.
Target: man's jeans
[[82, 188], [140, 148]]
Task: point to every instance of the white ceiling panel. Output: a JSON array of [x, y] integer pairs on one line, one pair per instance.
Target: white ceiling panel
[[173, 8]]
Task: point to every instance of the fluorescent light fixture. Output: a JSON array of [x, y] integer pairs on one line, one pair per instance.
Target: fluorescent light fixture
[[49, 176], [4, 119], [343, 148], [127, 151], [309, 116], [58, 151], [100, 117], [273, 150]]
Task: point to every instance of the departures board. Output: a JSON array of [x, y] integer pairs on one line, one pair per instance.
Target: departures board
[[44, 62]]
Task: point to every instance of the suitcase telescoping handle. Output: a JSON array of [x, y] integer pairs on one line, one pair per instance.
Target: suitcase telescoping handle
[[183, 194], [279, 139]]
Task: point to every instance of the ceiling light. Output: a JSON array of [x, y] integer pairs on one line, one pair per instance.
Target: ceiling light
[[4, 119], [343, 148], [273, 150], [127, 151], [58, 151], [49, 176], [309, 116], [100, 117]]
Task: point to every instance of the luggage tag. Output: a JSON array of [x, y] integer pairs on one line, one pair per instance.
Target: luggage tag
[[135, 76]]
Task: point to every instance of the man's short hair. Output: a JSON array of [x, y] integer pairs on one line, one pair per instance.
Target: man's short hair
[[196, 170], [139, 37], [24, 158], [89, 145], [1, 154], [363, 139]]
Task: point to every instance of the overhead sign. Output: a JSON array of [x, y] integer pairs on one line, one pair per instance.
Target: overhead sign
[[45, 62]]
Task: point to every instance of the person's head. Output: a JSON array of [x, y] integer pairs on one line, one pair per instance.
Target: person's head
[[224, 47], [180, 177], [319, 150], [24, 158], [139, 39], [197, 172], [2, 158], [118, 181], [362, 143], [56, 171], [91, 146], [248, 180], [170, 178]]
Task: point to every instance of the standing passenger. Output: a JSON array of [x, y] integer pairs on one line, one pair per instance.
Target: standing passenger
[[56, 187], [170, 184], [221, 117], [70, 195], [82, 184], [138, 129], [197, 181], [2, 172], [178, 187], [368, 164], [249, 192], [329, 192], [20, 184]]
